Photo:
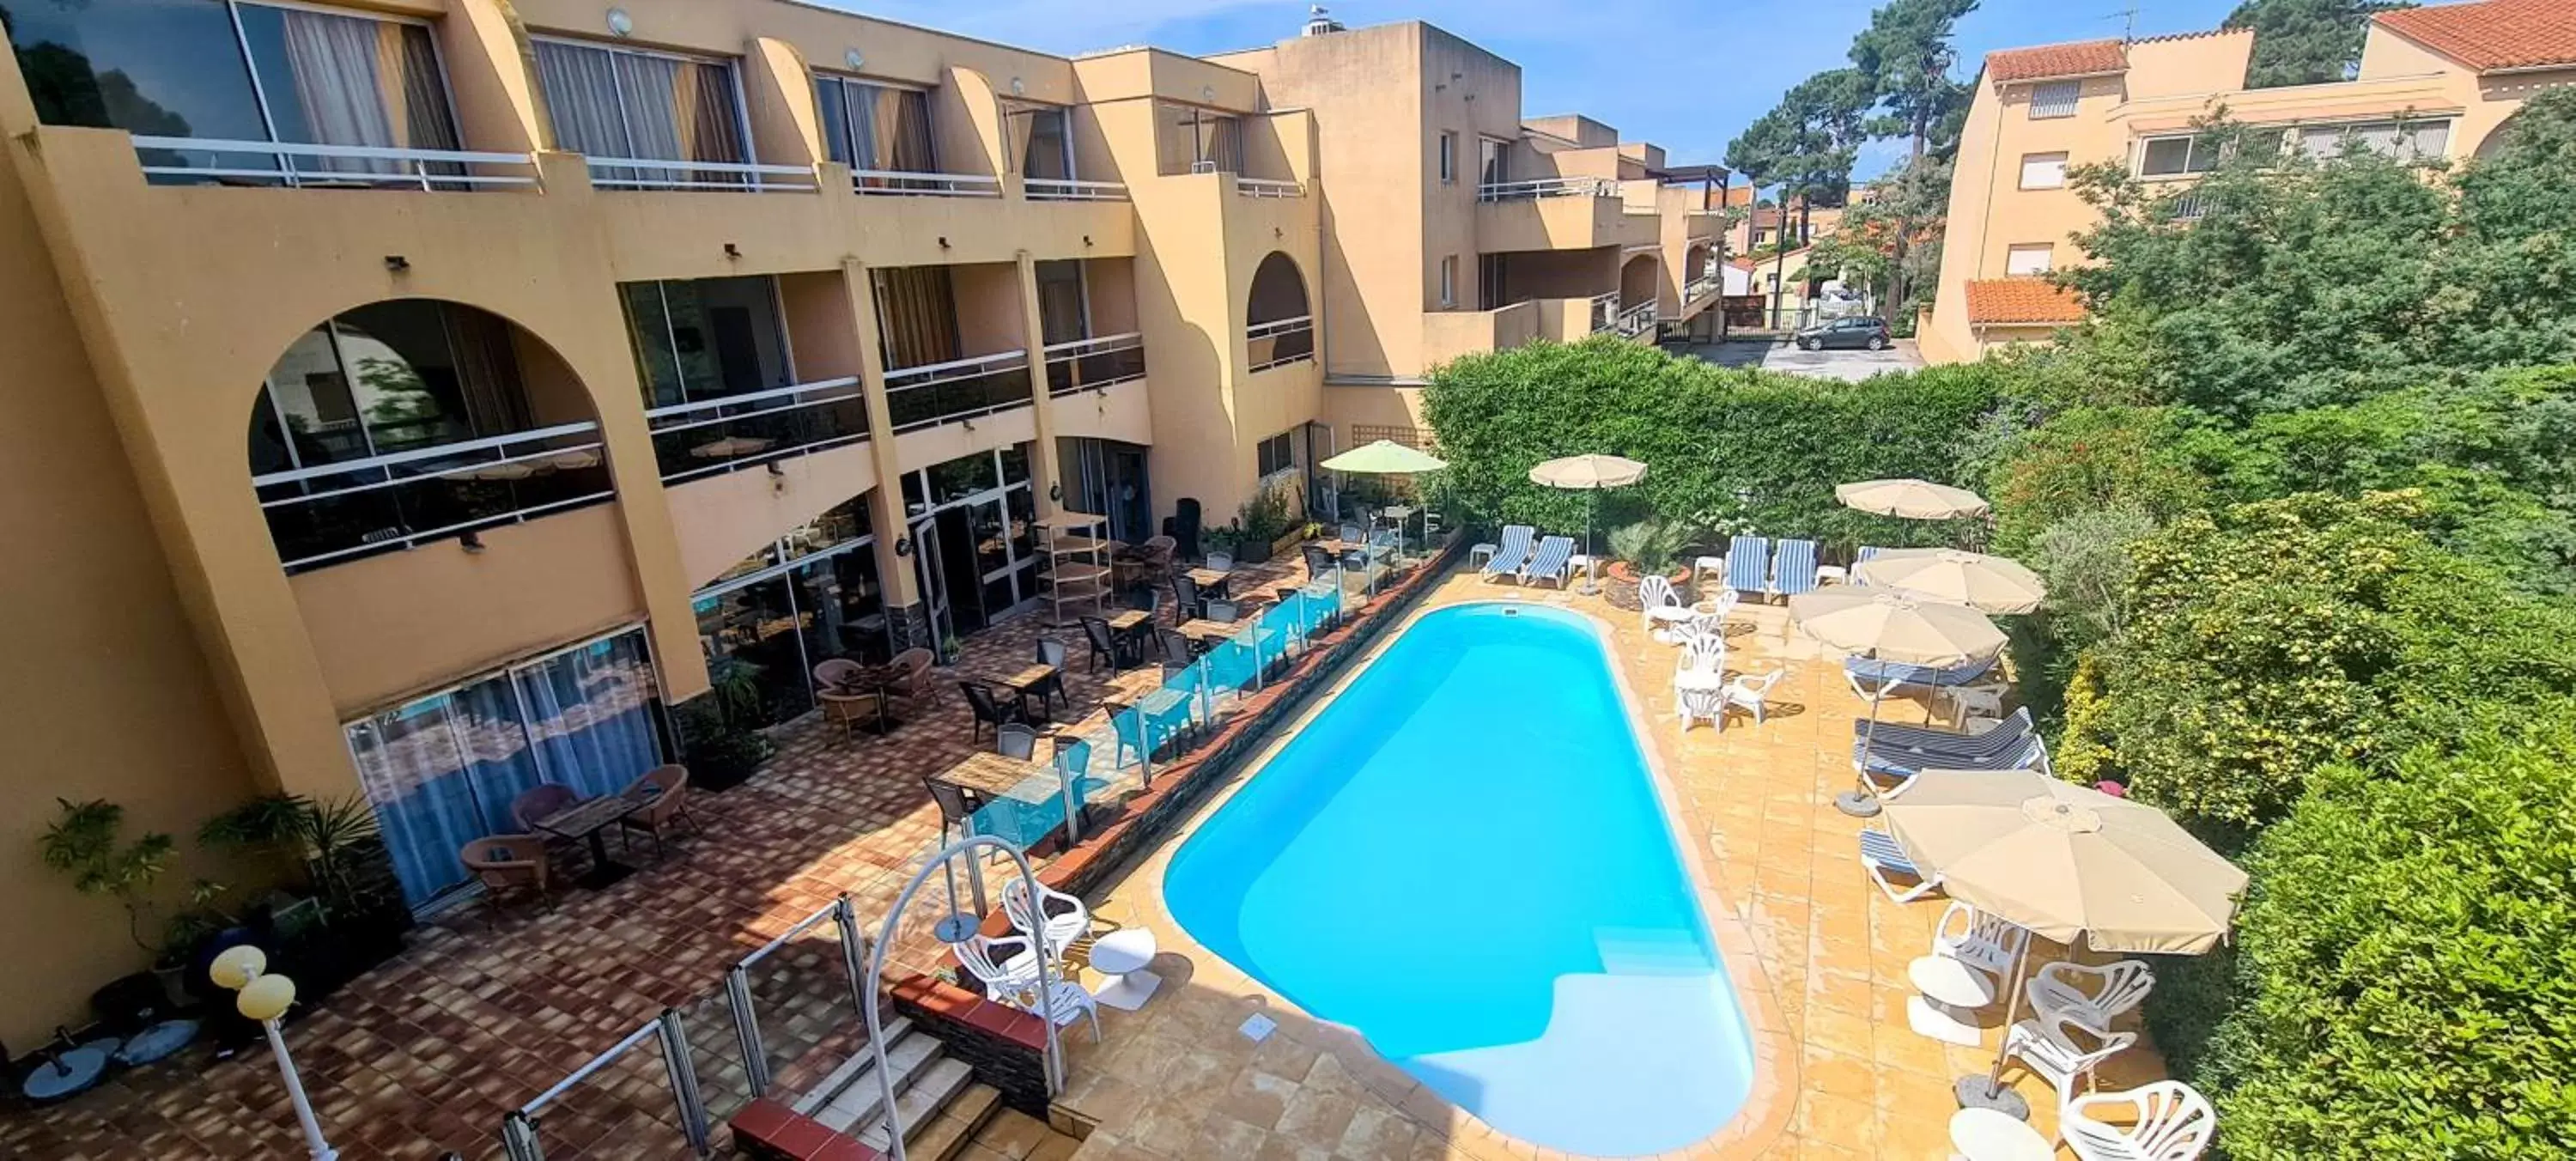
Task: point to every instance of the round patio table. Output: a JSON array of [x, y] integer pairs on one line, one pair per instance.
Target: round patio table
[[1951, 990], [1987, 1135], [1123, 954]]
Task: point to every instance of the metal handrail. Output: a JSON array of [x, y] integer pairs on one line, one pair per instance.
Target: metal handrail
[[652, 416], [753, 172], [966, 368], [442, 451], [419, 159], [1279, 326], [1636, 319], [1547, 187], [926, 184], [1264, 187], [1066, 189], [1096, 344]]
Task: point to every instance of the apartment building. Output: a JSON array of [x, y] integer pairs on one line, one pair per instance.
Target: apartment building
[[2439, 81], [414, 400], [1455, 225]]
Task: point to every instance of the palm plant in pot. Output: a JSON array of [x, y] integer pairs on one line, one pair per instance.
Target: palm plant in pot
[[720, 730], [352, 915], [1645, 548]]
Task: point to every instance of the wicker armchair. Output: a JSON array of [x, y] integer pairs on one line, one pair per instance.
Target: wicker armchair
[[509, 864], [664, 792]]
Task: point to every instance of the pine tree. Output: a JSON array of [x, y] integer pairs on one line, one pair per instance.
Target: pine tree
[[2306, 42]]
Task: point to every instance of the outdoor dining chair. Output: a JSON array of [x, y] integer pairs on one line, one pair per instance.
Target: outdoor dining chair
[[662, 795], [508, 864], [990, 712], [1015, 740]]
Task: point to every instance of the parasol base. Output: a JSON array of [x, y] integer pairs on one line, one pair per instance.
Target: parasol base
[[1858, 804], [955, 927], [1978, 1092]]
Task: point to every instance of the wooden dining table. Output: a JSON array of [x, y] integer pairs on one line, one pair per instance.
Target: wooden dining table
[[1028, 781], [1030, 680], [587, 821], [1202, 631]]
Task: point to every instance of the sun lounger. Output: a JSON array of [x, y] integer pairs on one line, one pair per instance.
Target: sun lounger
[[1898, 772], [1862, 673], [1748, 564], [1554, 561], [1513, 554], [1793, 568], [1885, 863], [1894, 738]]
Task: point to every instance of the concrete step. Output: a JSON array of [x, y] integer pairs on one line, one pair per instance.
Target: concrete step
[[915, 1106], [864, 1101], [849, 1072], [1015, 1136], [947, 1134]]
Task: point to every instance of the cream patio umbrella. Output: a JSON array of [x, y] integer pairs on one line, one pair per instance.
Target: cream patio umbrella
[[2065, 862], [1588, 473], [1912, 499], [1990, 583], [1880, 625], [1385, 457]]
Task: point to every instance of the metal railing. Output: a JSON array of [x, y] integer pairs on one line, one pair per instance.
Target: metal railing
[[334, 511], [2190, 206], [1605, 311], [1638, 319], [631, 173], [1547, 187], [1279, 342], [1093, 363], [336, 165], [959, 389], [1706, 284], [717, 435], [1263, 187], [1066, 189], [826, 1008], [922, 184]]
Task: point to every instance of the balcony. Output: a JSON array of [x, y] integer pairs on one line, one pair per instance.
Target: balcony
[[337, 511], [1065, 189], [966, 388], [720, 435], [1095, 363], [1279, 343], [1547, 187], [1558, 214], [1452, 334], [1635, 320], [644, 173], [330, 166], [1263, 187], [908, 183]]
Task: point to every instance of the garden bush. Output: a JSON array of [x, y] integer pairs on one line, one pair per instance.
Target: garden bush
[[1727, 450], [2405, 971]]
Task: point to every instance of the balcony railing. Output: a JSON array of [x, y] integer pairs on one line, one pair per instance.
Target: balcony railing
[[1637, 320], [718, 435], [651, 173], [962, 389], [1703, 286], [333, 165], [1547, 187], [919, 183], [1263, 187], [332, 512], [2190, 207], [1093, 363], [1279, 342], [1605, 312], [1066, 189]]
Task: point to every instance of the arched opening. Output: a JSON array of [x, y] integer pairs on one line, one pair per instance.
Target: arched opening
[[2495, 139], [1637, 294], [400, 422], [1695, 263], [1279, 327]]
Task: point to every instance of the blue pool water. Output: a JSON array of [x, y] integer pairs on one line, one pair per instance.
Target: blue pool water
[[1464, 858]]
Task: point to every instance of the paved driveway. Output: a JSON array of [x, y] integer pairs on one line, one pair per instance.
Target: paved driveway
[[1850, 366]]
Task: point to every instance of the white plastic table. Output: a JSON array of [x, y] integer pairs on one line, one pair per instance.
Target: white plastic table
[[1987, 1135], [1951, 990], [1122, 955]]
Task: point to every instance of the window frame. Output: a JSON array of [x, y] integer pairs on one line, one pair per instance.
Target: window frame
[[2047, 252], [2022, 179], [732, 65], [2043, 108], [1448, 157], [1448, 280], [1261, 454]]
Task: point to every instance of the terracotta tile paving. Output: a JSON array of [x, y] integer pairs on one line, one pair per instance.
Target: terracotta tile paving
[[1817, 953], [424, 1056]]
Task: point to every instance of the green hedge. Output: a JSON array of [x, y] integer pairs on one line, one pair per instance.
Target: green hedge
[[1727, 450], [2406, 970]]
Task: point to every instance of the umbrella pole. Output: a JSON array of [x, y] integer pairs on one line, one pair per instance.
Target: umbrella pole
[[1988, 1091], [1862, 801], [1591, 558]]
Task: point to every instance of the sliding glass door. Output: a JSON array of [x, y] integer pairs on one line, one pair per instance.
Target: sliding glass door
[[610, 103], [809, 597], [876, 127], [443, 770]]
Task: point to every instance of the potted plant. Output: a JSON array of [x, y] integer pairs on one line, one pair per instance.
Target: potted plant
[[1647, 547], [352, 915], [1263, 525], [1224, 540], [720, 735], [85, 841]]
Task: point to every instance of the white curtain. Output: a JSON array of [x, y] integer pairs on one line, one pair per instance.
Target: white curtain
[[335, 61], [581, 101], [651, 87]]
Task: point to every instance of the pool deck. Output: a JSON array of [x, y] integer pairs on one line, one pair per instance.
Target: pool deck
[[1817, 954]]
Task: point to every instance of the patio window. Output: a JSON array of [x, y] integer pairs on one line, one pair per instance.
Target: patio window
[[706, 338], [617, 104], [871, 126], [1275, 455], [2043, 171], [1189, 139], [808, 597], [2176, 156]]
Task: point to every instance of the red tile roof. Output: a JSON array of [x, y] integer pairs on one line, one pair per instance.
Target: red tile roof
[[2083, 58], [2496, 34], [2009, 301]]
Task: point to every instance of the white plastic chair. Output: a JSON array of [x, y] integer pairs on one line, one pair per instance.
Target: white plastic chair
[[1067, 918], [1004, 964], [2046, 1047], [2095, 995], [2165, 1121], [1981, 940], [1702, 654], [1661, 611], [1749, 693], [1068, 1001]]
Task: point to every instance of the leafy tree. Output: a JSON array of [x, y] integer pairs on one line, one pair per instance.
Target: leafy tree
[[1805, 147], [2306, 42], [2405, 977], [1891, 241], [1907, 56]]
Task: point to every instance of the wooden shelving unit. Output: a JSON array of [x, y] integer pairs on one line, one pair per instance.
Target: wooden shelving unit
[[1077, 567]]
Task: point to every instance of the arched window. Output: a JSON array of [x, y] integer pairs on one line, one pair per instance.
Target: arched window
[[1279, 326], [399, 422]]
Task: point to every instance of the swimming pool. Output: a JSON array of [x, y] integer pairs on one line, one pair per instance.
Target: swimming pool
[[1464, 858]]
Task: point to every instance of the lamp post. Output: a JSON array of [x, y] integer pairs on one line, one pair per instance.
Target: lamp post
[[264, 997]]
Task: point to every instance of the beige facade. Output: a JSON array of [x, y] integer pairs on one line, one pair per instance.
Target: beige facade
[[823, 269], [2439, 80]]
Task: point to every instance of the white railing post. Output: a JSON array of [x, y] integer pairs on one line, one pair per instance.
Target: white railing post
[[683, 1073]]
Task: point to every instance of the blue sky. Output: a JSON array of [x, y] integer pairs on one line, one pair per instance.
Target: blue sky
[[1685, 74]]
